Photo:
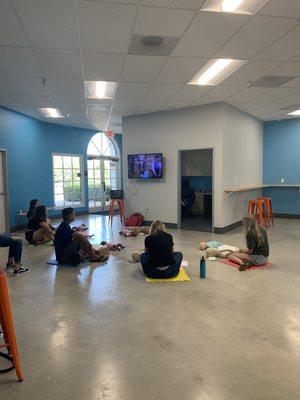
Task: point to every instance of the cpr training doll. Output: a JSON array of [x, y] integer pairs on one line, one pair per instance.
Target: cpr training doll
[[134, 231], [113, 246]]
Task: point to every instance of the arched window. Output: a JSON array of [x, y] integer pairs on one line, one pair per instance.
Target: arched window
[[103, 171], [101, 146]]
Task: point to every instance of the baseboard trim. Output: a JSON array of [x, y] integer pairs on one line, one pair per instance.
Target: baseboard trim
[[227, 228], [287, 216], [169, 225]]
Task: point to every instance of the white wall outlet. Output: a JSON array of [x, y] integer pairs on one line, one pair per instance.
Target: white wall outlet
[[148, 210], [282, 180]]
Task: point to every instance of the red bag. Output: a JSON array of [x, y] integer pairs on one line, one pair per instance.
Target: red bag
[[136, 219]]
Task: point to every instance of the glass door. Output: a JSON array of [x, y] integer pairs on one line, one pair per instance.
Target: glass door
[[102, 178]]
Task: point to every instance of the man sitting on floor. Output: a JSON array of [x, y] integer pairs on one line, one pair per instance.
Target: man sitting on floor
[[72, 246]]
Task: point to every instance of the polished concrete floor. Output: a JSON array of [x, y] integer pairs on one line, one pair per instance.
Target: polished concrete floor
[[101, 333]]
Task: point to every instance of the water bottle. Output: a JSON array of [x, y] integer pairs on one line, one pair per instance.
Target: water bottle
[[202, 268]]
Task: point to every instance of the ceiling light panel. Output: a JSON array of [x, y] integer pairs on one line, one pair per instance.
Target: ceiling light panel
[[50, 112], [234, 6], [215, 71], [100, 89], [295, 113]]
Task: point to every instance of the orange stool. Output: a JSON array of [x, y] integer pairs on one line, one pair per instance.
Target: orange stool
[[269, 210], [120, 203], [7, 324], [257, 207]]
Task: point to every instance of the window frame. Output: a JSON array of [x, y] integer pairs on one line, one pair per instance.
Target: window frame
[[82, 182]]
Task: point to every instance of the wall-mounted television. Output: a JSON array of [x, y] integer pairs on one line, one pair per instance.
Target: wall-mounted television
[[145, 166]]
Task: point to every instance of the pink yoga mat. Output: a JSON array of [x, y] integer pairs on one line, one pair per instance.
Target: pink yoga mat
[[228, 262]]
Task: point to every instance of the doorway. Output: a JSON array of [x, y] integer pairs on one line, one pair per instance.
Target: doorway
[[196, 190], [4, 224], [103, 171]]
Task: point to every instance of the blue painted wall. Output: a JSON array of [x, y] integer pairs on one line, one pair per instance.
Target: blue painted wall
[[30, 144], [282, 160]]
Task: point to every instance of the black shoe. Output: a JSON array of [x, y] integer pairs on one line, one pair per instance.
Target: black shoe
[[245, 266], [10, 265], [21, 271]]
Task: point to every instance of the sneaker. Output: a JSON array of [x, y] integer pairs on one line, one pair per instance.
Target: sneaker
[[9, 266], [21, 271]]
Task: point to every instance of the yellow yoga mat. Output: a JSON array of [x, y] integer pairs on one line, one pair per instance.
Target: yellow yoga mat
[[181, 277]]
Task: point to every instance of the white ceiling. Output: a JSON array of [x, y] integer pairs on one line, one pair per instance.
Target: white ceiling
[[69, 41]]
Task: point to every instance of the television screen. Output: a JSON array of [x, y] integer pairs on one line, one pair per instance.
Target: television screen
[[145, 166]]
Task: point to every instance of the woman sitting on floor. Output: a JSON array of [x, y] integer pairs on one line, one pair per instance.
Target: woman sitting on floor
[[159, 260], [39, 230], [32, 207], [257, 251]]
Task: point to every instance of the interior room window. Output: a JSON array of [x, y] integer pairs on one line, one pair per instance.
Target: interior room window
[[67, 177]]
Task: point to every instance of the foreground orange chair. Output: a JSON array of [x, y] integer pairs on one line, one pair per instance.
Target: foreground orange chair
[[7, 324]]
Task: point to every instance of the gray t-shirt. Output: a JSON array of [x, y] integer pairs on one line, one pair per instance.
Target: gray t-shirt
[[252, 244]]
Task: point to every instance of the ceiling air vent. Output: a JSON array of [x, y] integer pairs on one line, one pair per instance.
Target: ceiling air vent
[[142, 45], [272, 81]]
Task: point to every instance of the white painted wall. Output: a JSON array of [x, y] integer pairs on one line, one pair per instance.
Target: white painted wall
[[242, 161], [237, 142], [168, 132]]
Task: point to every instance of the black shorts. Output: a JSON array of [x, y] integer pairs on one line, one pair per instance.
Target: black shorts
[[29, 236], [71, 254]]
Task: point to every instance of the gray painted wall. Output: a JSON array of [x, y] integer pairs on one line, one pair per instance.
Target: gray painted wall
[[228, 131]]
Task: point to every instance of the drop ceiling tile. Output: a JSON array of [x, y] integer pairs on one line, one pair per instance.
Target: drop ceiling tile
[[282, 8], [163, 91], [179, 69], [29, 101], [134, 2], [8, 86], [291, 68], [20, 61], [251, 71], [148, 106], [207, 33], [220, 93], [102, 66], [120, 105], [203, 101], [274, 95], [141, 68], [161, 21], [283, 49], [49, 24], [121, 113], [256, 35], [131, 90], [294, 83], [245, 95], [187, 4], [33, 86], [75, 105], [67, 87], [177, 104], [61, 64], [191, 93], [11, 32], [293, 98], [105, 27]]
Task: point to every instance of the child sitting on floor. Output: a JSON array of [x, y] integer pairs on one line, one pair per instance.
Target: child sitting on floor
[[113, 246], [257, 251]]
